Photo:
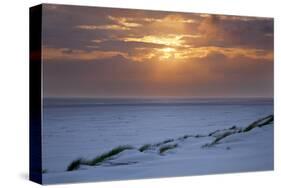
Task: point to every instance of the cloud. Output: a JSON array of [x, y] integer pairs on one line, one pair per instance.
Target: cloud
[[176, 19], [234, 31], [169, 40], [123, 46], [121, 23], [126, 22], [228, 52], [70, 55], [119, 52], [103, 27]]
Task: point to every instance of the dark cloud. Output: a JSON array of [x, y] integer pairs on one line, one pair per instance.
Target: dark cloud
[[236, 32], [123, 46]]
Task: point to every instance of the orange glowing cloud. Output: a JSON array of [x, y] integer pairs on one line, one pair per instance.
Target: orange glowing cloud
[[169, 40]]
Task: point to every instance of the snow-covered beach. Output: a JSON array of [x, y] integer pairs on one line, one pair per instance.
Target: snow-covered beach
[[175, 135]]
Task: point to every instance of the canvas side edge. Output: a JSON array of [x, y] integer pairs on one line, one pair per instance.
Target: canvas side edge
[[35, 63]]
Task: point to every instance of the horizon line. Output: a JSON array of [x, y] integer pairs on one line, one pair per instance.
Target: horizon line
[[155, 97]]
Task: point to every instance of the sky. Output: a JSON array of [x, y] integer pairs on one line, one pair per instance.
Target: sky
[[105, 52]]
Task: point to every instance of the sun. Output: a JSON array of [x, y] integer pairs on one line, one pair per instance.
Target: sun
[[167, 53]]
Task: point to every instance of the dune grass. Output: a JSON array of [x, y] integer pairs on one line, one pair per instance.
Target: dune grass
[[145, 147], [234, 130], [199, 136], [223, 136], [164, 142], [167, 147], [167, 141], [185, 136], [74, 165], [108, 155], [259, 123]]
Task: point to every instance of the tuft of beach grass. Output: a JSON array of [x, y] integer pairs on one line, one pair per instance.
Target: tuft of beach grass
[[164, 142], [108, 155], [167, 147], [74, 165], [145, 147]]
